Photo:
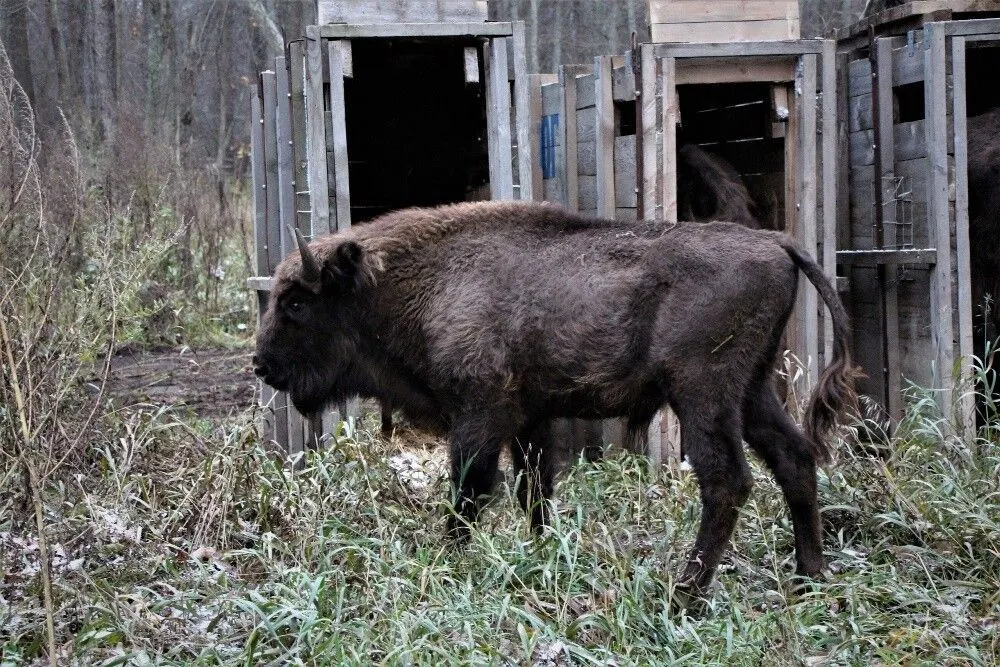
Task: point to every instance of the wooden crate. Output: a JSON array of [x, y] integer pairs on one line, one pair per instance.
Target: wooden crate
[[911, 16], [903, 236], [696, 21], [400, 11]]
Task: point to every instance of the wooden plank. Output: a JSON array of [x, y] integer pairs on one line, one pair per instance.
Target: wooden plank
[[498, 119], [470, 63], [383, 30], [586, 123], [623, 84], [586, 92], [338, 133], [271, 189], [907, 62], [910, 140], [735, 69], [528, 112], [885, 151], [535, 82], [874, 257], [966, 348], [912, 10], [830, 163], [736, 31], [394, 11], [319, 202], [808, 201], [259, 178], [942, 332], [670, 112], [298, 102], [605, 138], [588, 194], [672, 11], [346, 58], [650, 169], [586, 158], [551, 95], [723, 49], [624, 172], [859, 112], [259, 283], [567, 83]]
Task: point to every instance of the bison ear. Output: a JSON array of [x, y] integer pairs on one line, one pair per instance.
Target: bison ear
[[344, 268]]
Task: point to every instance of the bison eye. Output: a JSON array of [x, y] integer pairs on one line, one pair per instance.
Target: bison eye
[[293, 306]]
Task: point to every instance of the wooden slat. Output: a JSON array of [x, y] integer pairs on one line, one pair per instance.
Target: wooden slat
[[586, 95], [297, 100], [736, 31], [338, 135], [569, 166], [624, 172], [966, 349], [527, 110], [691, 11], [382, 30], [884, 159], [498, 119], [670, 111], [723, 49], [910, 140], [605, 138], [942, 332], [394, 11], [623, 84], [916, 10], [259, 178], [808, 201], [271, 190], [319, 202], [470, 62], [551, 95], [650, 169], [829, 161], [735, 70], [874, 257]]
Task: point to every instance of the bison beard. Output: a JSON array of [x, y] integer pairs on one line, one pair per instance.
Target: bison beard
[[497, 317]]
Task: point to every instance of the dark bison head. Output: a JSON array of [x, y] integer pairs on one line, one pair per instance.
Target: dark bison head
[[308, 337]]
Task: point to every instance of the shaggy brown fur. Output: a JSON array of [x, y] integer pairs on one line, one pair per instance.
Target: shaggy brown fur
[[709, 188], [501, 316]]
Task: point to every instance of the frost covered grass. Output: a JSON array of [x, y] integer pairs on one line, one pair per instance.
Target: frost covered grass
[[186, 545]]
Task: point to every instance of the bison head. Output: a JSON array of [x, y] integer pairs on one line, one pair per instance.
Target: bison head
[[308, 337]]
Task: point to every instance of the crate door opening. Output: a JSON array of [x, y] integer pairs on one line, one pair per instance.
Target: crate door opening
[[416, 124], [730, 144]]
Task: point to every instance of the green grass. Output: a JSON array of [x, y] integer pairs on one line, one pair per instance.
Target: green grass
[[191, 545]]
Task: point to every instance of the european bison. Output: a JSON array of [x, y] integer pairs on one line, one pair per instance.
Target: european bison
[[501, 316], [709, 188]]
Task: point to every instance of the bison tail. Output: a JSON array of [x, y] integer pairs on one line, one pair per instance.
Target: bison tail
[[834, 395]]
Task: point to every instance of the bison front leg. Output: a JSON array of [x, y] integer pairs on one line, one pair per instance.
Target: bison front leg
[[532, 455], [475, 451], [711, 440]]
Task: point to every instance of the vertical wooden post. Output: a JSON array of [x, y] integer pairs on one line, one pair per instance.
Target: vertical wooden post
[[498, 119], [296, 52], [319, 203], [567, 82], [668, 90], [939, 229], [966, 344], [809, 307], [338, 129], [524, 111], [886, 234], [286, 205], [830, 131], [605, 138], [648, 179]]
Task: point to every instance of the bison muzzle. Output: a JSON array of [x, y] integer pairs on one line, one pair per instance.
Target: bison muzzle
[[494, 318]]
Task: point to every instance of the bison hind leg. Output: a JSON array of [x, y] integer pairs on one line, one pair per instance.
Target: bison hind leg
[[710, 438], [791, 457]]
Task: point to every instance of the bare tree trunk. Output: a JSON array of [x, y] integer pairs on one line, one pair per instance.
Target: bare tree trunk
[[14, 35], [58, 40]]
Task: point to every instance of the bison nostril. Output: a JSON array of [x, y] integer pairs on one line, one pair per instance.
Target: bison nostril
[[259, 371], [255, 360]]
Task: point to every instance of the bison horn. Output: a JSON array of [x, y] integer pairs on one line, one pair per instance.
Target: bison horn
[[310, 267]]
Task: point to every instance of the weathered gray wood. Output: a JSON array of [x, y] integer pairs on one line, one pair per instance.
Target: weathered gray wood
[[907, 61], [670, 110], [319, 202], [395, 11], [735, 69], [260, 283], [623, 84], [534, 126], [650, 169], [910, 139], [808, 201], [942, 331], [874, 257], [736, 31], [527, 109], [884, 155], [973, 27], [794, 47], [605, 138], [963, 297], [586, 162], [470, 62], [588, 194], [586, 93], [498, 119], [366, 31], [338, 134], [259, 178], [346, 58], [624, 172], [586, 121], [296, 61], [830, 174], [552, 98], [859, 113], [568, 129]]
